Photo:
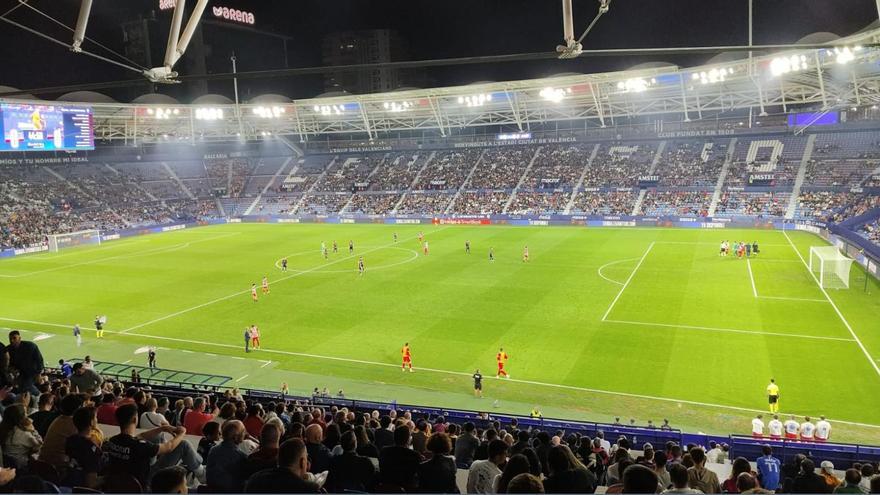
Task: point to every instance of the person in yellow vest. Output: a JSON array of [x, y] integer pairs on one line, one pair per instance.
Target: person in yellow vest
[[536, 413], [773, 396]]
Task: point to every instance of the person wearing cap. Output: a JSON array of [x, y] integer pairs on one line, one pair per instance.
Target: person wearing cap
[[768, 469], [827, 473]]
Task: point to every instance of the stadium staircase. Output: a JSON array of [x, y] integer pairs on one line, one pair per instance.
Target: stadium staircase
[[801, 175], [657, 156], [581, 179], [176, 179], [719, 186], [314, 185], [522, 179], [133, 184], [464, 184], [414, 182], [259, 197], [220, 207]]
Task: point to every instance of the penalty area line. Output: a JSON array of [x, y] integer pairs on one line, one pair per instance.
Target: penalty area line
[[464, 374]]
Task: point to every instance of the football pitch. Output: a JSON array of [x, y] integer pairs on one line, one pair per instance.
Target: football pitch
[[636, 323]]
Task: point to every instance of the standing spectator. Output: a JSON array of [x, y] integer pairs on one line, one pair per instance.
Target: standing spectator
[[699, 477], [195, 419], [349, 471], [399, 464], [45, 414], [851, 481], [437, 475], [466, 447], [17, 435], [680, 480], [151, 358], [827, 472], [807, 481], [25, 357], [52, 450], [769, 469], [290, 476], [567, 474], [226, 462], [86, 458], [481, 476], [66, 369], [85, 381], [319, 454]]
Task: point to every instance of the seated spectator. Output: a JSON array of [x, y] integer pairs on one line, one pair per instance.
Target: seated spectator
[[420, 436], [567, 474], [481, 476], [106, 412], [699, 477], [827, 472], [253, 422], [525, 483], [875, 484], [638, 479], [740, 466], [86, 458], [45, 414], [867, 475], [196, 418], [151, 418], [85, 381], [661, 471], [226, 462], [747, 483], [17, 435], [851, 481], [349, 471], [807, 481], [399, 464], [210, 437], [266, 456], [319, 454], [383, 436], [171, 479], [365, 447], [679, 476], [52, 450], [516, 465], [437, 475], [466, 446], [290, 476]]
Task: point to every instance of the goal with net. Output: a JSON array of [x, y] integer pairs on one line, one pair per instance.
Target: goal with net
[[830, 267], [83, 237]]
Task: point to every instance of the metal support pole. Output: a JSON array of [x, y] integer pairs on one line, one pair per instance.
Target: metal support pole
[[821, 80], [174, 34], [191, 25], [79, 34], [235, 89], [568, 21]]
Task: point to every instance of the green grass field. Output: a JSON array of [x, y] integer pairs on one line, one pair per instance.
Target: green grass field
[[641, 323]]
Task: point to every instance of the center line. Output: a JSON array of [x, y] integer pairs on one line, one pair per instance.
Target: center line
[[628, 280]]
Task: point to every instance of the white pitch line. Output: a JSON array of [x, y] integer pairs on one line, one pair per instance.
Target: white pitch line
[[836, 309], [628, 280], [611, 264], [727, 330], [468, 374], [752, 278], [246, 291], [126, 362], [267, 363], [242, 378], [801, 299]]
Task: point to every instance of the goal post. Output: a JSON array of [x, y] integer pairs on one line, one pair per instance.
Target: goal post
[[830, 267], [57, 242]]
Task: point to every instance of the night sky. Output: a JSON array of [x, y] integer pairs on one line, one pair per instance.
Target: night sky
[[449, 28]]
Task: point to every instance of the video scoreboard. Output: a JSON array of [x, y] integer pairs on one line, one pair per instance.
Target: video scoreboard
[[27, 127]]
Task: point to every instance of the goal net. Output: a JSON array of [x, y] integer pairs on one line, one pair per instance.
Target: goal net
[[830, 267], [62, 241]]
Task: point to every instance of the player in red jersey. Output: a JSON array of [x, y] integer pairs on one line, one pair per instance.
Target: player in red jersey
[[406, 355], [254, 292], [255, 337], [265, 285], [421, 237], [425, 248], [501, 359]]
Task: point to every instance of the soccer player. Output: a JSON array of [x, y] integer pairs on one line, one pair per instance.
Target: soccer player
[[324, 250], [151, 358], [501, 360], [773, 396], [361, 267], [792, 428], [758, 427], [775, 428], [335, 247], [467, 247], [350, 247], [755, 248], [406, 356], [425, 248], [823, 430], [254, 292], [77, 334], [255, 336], [525, 254], [478, 384], [421, 237], [748, 250], [808, 429], [723, 249], [491, 254], [265, 284], [247, 339], [395, 237], [99, 326], [283, 264]]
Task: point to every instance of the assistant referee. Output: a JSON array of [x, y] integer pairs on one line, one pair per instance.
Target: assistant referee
[[773, 396]]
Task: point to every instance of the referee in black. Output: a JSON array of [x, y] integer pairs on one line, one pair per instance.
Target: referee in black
[[478, 384]]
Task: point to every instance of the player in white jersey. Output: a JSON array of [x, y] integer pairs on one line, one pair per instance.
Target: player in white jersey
[[758, 426], [808, 429], [823, 430], [775, 428], [792, 428]]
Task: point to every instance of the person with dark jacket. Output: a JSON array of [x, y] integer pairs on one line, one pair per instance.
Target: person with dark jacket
[[319, 454], [383, 436], [399, 464], [350, 471], [437, 475], [466, 446], [25, 357], [290, 475], [807, 481], [567, 474]]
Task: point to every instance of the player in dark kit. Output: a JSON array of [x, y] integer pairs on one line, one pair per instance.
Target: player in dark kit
[[467, 247], [151, 358], [478, 384], [335, 247], [283, 264], [361, 267], [350, 247], [395, 237], [491, 254]]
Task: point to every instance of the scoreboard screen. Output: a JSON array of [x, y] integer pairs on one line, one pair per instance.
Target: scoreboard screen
[[28, 127]]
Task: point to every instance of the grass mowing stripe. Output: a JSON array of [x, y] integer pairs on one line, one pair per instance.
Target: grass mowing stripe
[[836, 310], [728, 330], [625, 284]]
